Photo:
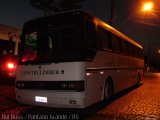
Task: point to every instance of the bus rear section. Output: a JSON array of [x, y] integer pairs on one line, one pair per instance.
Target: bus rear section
[[53, 85]]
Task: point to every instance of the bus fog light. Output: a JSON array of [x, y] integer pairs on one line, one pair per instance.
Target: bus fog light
[[72, 101]]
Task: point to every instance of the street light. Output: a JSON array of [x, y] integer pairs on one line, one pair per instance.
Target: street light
[[148, 6]]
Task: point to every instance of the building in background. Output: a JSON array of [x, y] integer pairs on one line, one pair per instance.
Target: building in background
[[9, 39]]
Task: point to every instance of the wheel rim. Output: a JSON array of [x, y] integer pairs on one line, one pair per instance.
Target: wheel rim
[[108, 91]]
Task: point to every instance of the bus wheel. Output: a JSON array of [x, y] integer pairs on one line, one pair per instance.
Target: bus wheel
[[108, 90], [138, 79]]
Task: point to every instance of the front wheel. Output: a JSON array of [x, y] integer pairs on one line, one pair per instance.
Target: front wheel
[[108, 90]]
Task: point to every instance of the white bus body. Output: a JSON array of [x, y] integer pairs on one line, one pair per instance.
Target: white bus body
[[78, 83]]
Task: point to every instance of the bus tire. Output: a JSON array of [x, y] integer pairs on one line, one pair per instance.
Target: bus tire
[[108, 90], [138, 79]]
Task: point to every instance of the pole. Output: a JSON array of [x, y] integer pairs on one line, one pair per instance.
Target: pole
[[111, 13]]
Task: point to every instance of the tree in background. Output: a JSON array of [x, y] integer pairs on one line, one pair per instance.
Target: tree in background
[[53, 6]]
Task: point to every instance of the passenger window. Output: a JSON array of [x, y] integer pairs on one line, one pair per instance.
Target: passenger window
[[117, 47], [91, 36], [126, 48], [91, 40], [104, 38]]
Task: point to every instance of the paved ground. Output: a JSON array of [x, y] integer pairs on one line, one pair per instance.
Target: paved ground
[[138, 104], [142, 103]]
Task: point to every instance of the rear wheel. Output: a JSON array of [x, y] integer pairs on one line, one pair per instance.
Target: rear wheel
[[108, 90], [138, 79]]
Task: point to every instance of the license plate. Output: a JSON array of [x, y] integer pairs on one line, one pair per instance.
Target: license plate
[[41, 99]]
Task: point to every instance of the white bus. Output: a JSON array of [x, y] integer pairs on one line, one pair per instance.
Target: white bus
[[74, 60]]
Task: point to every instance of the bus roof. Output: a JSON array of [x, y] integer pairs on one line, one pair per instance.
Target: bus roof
[[60, 17]]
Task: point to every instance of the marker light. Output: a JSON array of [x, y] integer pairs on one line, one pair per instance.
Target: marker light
[[101, 72], [88, 74]]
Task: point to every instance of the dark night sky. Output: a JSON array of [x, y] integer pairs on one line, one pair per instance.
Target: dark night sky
[[16, 12], [126, 19]]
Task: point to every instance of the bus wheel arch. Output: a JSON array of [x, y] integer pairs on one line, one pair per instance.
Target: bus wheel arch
[[108, 89]]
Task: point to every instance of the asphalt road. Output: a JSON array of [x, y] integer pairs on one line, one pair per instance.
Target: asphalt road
[[142, 103]]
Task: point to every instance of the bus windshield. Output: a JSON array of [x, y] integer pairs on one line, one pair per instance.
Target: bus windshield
[[53, 44]]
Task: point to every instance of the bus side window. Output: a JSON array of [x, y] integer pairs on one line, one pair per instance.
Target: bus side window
[[120, 44], [91, 36], [131, 50], [140, 53], [91, 39], [117, 45], [104, 37], [134, 50], [126, 48]]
